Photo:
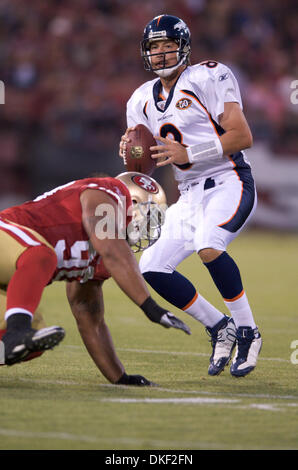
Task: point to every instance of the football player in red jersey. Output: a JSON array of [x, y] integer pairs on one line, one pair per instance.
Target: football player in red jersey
[[60, 236]]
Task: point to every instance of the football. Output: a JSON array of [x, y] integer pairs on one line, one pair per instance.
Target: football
[[138, 153]]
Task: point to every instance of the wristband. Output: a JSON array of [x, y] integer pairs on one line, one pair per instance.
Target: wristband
[[204, 151], [124, 380]]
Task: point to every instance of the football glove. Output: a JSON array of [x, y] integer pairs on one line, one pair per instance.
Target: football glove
[[138, 380], [157, 314], [169, 320]]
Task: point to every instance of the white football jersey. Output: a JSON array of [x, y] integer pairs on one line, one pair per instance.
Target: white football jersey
[[190, 114]]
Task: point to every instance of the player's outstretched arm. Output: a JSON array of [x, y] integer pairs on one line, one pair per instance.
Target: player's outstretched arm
[[86, 302], [120, 261]]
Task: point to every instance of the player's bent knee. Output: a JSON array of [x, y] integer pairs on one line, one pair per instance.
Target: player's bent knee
[[209, 254], [42, 255], [147, 264]]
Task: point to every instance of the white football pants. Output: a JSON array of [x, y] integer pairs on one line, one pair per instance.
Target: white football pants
[[209, 218]]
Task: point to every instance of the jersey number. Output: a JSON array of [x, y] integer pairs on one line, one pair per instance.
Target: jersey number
[[167, 129], [75, 266], [76, 251], [211, 64]]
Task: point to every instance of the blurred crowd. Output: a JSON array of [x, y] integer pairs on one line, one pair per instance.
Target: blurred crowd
[[69, 67]]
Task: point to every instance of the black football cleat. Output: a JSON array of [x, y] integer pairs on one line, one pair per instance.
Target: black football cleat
[[19, 344]]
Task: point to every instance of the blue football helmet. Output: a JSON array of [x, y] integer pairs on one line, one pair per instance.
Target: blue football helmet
[[166, 27]]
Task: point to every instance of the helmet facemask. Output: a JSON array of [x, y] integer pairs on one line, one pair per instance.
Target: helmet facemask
[[182, 52], [145, 227], [148, 208]]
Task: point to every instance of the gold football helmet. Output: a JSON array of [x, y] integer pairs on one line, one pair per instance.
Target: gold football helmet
[[148, 210]]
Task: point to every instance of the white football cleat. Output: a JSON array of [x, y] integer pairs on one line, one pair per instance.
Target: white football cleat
[[249, 344], [223, 340]]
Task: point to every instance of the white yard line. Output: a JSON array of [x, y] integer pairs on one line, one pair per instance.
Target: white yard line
[[114, 441], [176, 353], [163, 389], [240, 395], [202, 401], [264, 407], [118, 442], [158, 389], [191, 401], [186, 353], [46, 435]]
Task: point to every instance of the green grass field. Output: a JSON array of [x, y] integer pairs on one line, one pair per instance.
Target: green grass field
[[61, 401]]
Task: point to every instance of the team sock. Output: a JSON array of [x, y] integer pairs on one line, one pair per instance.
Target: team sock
[[241, 311], [226, 276], [203, 311], [35, 268], [179, 291]]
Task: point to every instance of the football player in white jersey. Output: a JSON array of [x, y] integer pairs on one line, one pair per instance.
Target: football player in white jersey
[[195, 114]]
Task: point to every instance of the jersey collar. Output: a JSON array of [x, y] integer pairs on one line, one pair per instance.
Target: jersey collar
[[160, 103]]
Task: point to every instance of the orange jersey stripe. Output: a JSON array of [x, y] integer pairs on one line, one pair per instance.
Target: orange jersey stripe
[[229, 157], [203, 107], [145, 109], [210, 119], [220, 225]]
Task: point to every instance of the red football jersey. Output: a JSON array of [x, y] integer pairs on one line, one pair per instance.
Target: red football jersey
[[57, 216]]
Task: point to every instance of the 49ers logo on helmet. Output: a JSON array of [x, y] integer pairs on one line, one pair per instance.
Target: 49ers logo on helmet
[[145, 183]]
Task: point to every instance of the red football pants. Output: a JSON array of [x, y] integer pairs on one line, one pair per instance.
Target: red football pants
[[35, 268]]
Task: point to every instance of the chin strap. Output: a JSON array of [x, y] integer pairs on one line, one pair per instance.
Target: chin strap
[[163, 73]]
